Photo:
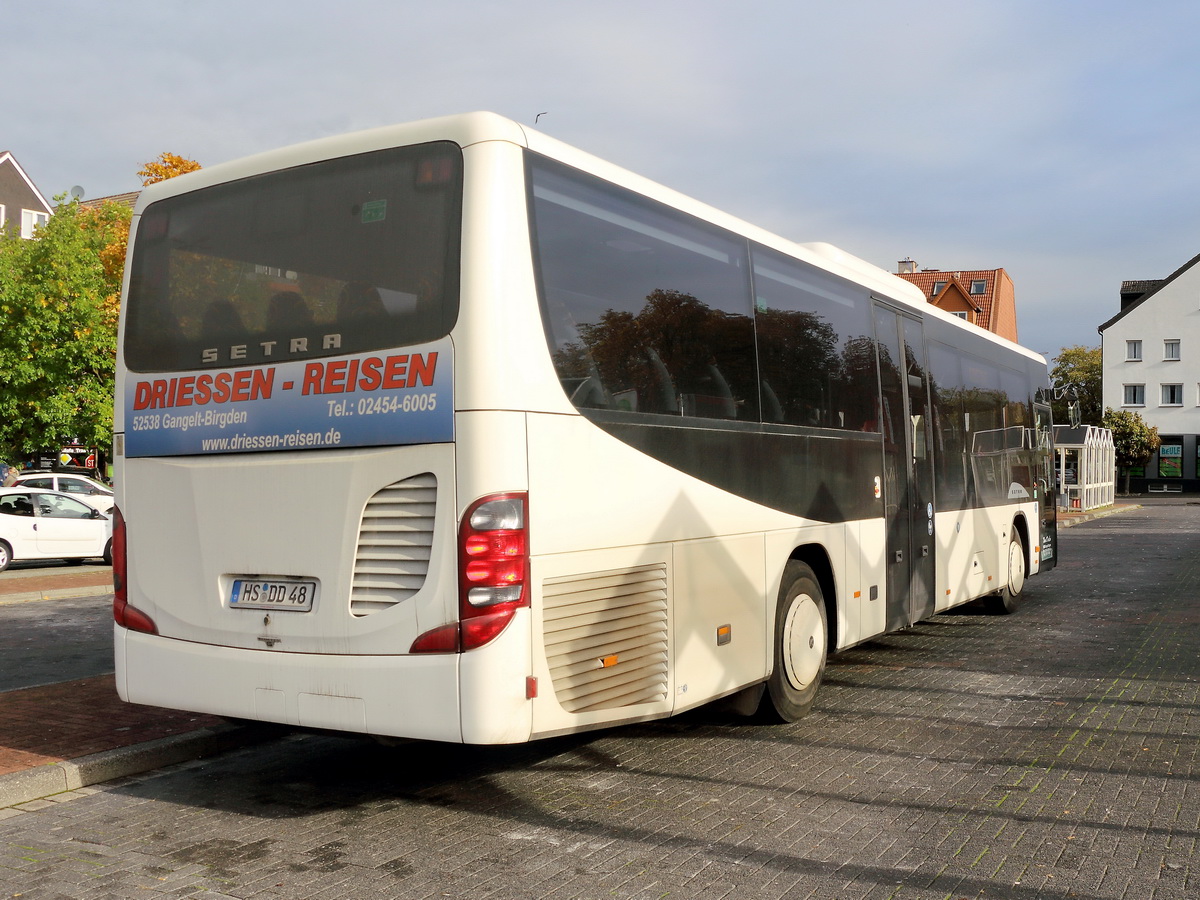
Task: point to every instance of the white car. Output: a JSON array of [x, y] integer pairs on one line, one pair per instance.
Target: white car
[[36, 524], [93, 493]]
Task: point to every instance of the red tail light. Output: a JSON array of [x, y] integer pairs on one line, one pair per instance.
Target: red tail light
[[493, 571], [125, 615]]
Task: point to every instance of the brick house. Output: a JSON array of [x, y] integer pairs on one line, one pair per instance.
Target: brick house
[[22, 206], [984, 297]]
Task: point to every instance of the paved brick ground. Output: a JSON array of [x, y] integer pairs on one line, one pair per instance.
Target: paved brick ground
[[1047, 755]]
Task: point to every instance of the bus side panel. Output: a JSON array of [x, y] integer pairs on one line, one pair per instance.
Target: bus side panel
[[602, 617], [720, 608], [961, 559], [603, 521], [493, 678], [491, 458], [866, 579], [592, 490], [855, 554], [972, 550], [499, 320]]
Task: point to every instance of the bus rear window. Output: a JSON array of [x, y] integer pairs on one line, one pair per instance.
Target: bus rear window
[[345, 256]]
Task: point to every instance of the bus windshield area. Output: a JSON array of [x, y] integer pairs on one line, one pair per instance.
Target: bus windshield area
[[343, 256]]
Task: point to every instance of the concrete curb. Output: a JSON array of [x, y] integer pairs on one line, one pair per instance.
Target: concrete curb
[[1098, 514], [56, 778], [56, 594]]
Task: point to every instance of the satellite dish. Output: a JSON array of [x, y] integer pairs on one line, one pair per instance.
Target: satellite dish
[[77, 193]]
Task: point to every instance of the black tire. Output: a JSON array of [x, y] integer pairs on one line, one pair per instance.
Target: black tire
[[801, 646], [1008, 598], [5, 555], [108, 553]]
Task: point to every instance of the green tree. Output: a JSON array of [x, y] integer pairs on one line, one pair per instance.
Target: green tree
[[58, 323], [1133, 439], [1078, 369]]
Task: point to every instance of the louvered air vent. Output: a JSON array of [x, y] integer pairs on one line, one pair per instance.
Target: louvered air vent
[[394, 537], [606, 637]]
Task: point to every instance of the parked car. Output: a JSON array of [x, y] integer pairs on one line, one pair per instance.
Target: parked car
[[37, 524], [93, 493]]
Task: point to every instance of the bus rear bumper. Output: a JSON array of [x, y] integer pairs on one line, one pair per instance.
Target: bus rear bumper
[[399, 696]]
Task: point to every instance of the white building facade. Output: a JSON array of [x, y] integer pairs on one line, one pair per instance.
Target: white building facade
[[1151, 366]]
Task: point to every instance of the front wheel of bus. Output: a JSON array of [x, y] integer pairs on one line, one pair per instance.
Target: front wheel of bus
[[1005, 601], [801, 645]]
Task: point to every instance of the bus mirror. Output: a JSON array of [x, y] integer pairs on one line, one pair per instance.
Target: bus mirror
[[1074, 414]]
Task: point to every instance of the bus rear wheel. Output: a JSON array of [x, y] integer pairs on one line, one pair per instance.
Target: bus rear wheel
[[801, 646], [1007, 599]]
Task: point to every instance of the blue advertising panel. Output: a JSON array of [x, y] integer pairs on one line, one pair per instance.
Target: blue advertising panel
[[402, 396]]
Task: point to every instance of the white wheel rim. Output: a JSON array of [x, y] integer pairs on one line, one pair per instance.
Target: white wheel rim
[[1016, 568], [803, 642]]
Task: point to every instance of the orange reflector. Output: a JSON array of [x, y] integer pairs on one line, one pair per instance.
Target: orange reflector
[[607, 662], [724, 635], [857, 594]]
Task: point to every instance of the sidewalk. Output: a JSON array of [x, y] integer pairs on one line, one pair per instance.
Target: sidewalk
[[1069, 517], [60, 738]]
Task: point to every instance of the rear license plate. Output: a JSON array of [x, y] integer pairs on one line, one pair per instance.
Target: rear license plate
[[262, 594]]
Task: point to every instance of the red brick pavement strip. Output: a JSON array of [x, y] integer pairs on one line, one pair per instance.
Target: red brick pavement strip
[[46, 584], [82, 724], [59, 722]]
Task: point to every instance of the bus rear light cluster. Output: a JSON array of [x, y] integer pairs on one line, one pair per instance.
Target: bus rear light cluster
[[123, 614], [493, 571]]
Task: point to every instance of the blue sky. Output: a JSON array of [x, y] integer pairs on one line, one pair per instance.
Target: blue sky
[[1056, 139]]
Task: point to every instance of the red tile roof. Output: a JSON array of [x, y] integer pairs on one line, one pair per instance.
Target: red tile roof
[[926, 278]]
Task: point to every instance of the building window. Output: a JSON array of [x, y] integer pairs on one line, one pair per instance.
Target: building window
[[1133, 351], [31, 220], [1172, 395], [978, 287], [937, 287], [1170, 458], [1170, 349], [1135, 395], [3, 216], [961, 313]]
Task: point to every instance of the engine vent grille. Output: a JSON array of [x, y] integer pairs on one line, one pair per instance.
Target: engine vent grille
[[606, 637], [394, 540]]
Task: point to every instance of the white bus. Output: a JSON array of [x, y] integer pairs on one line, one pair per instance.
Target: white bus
[[450, 431]]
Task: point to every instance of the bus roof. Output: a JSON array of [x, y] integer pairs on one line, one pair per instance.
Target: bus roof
[[467, 129]]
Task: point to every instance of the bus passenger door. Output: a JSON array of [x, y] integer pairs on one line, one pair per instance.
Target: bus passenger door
[[1047, 483], [908, 467]]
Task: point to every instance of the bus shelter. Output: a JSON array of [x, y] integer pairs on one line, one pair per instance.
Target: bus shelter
[[1087, 466]]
